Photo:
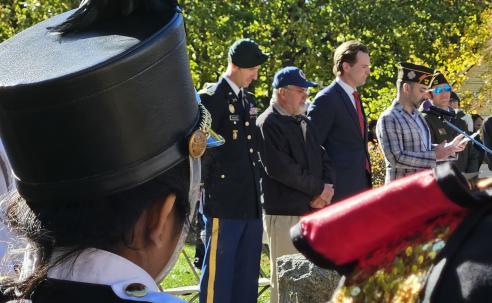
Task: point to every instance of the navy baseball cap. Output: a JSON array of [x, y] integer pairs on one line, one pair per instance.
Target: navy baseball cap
[[291, 75]]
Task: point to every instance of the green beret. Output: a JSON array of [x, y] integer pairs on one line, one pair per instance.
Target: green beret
[[245, 53]]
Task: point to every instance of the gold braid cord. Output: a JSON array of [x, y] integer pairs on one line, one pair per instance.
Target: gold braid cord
[[402, 281]]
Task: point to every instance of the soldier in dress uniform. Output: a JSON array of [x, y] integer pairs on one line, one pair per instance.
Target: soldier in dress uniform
[[105, 133], [232, 209]]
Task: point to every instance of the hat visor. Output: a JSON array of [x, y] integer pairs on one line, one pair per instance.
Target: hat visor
[[307, 84]]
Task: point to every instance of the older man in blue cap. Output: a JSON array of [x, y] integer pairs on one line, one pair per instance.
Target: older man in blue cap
[[297, 176]]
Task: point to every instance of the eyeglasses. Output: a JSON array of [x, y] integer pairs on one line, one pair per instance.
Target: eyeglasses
[[441, 89]]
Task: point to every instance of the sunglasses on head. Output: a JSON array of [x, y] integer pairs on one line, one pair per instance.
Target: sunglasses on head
[[441, 89]]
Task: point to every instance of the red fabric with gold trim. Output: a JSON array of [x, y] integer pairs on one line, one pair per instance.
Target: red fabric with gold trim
[[374, 225]]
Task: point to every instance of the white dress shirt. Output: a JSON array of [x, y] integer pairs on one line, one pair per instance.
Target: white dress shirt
[[236, 89], [349, 90], [98, 266]]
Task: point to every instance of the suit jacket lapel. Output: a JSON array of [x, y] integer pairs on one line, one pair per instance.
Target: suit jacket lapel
[[350, 108]]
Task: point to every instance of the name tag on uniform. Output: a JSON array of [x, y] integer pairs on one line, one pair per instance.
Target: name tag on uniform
[[441, 131], [234, 117]]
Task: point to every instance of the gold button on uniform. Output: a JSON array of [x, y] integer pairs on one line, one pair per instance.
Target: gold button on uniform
[[249, 137], [246, 123], [222, 176], [250, 150]]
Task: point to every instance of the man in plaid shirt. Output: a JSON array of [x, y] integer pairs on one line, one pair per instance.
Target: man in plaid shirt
[[403, 133]]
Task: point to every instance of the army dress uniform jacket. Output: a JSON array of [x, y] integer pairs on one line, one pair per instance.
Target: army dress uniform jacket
[[231, 171], [405, 149]]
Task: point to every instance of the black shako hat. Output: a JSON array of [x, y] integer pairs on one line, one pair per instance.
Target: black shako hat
[[96, 112], [245, 53], [415, 73]]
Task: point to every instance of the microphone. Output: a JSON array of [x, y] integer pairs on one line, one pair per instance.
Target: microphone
[[429, 108]]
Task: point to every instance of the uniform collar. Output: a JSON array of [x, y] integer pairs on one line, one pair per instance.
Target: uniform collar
[[98, 266], [236, 89]]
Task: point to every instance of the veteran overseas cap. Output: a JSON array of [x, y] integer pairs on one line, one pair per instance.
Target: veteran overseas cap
[[439, 78], [410, 72], [245, 53], [99, 110]]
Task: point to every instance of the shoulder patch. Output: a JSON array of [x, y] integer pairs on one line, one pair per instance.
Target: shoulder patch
[[208, 89]]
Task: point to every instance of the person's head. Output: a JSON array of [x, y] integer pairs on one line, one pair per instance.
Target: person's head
[[454, 101], [413, 82], [440, 91], [244, 61], [351, 62], [142, 224], [291, 89], [371, 131], [105, 149], [477, 122]]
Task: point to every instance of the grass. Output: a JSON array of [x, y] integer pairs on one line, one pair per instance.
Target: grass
[[182, 275]]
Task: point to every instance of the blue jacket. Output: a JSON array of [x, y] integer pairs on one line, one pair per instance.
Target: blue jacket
[[335, 119]]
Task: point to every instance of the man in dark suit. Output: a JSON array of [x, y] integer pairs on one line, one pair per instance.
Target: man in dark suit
[[232, 209], [341, 123]]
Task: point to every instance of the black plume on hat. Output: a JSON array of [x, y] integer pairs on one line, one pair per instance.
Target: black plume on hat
[[245, 53], [103, 108], [91, 12]]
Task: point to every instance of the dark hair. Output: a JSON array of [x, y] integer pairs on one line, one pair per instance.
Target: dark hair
[[103, 223], [400, 82], [475, 117], [371, 131], [347, 52], [454, 97]]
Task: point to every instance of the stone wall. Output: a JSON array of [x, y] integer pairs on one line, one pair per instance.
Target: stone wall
[[300, 281]]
